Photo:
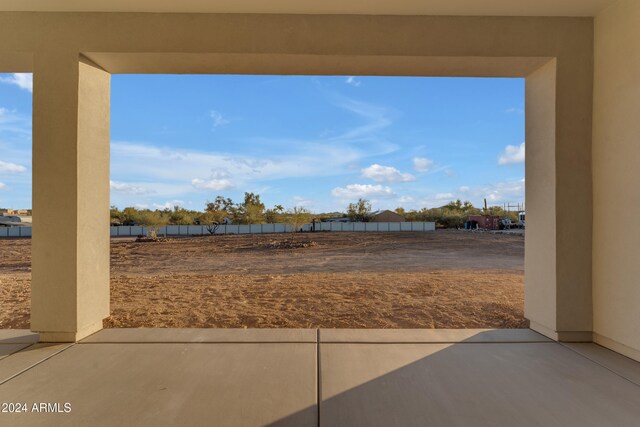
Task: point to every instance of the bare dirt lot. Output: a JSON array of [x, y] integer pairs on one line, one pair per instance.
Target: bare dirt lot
[[444, 279]]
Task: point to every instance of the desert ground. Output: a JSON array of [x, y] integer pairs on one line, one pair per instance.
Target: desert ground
[[442, 279]]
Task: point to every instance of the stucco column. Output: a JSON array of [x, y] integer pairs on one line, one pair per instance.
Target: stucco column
[[70, 261], [558, 295]]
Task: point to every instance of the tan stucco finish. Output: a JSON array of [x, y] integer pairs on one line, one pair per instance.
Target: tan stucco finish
[[555, 54], [540, 172], [70, 270], [616, 177], [361, 7]]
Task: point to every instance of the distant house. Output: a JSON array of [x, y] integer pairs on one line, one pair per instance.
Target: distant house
[[15, 221], [340, 219], [14, 212], [386, 216]]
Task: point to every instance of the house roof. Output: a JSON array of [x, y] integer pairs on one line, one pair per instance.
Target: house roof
[[14, 224], [383, 211]]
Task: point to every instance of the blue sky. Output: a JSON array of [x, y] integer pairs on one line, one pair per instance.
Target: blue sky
[[317, 142]]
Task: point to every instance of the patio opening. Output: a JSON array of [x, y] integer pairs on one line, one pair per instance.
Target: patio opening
[[265, 201], [15, 199]]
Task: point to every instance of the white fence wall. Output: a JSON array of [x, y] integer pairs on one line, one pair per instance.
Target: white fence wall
[[190, 230], [373, 226], [15, 231], [198, 230]]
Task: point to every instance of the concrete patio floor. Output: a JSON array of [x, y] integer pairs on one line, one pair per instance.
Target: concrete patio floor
[[318, 377]]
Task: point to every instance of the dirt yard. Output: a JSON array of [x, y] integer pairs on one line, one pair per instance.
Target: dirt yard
[[445, 279]]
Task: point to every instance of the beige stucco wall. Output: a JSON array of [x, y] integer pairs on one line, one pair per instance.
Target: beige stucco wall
[[540, 171], [558, 294], [70, 270], [616, 178]]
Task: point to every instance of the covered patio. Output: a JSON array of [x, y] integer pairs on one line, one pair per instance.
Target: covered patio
[[581, 62], [308, 377]]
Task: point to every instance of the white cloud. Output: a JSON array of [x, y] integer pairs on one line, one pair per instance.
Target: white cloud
[[444, 196], [124, 188], [149, 162], [502, 191], [512, 154], [422, 164], [168, 205], [406, 199], [170, 172], [13, 122], [216, 184], [301, 202], [505, 191], [495, 193], [2, 186], [351, 80], [22, 80], [377, 119], [346, 147], [157, 164], [11, 167], [218, 119], [425, 201], [354, 191], [380, 173]]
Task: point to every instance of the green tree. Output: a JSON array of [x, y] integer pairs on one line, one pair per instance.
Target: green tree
[[216, 213], [252, 210], [454, 206], [467, 207], [218, 210], [274, 215], [297, 217], [359, 211], [116, 215], [153, 220], [219, 204], [209, 220], [180, 216], [130, 216], [499, 211]]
